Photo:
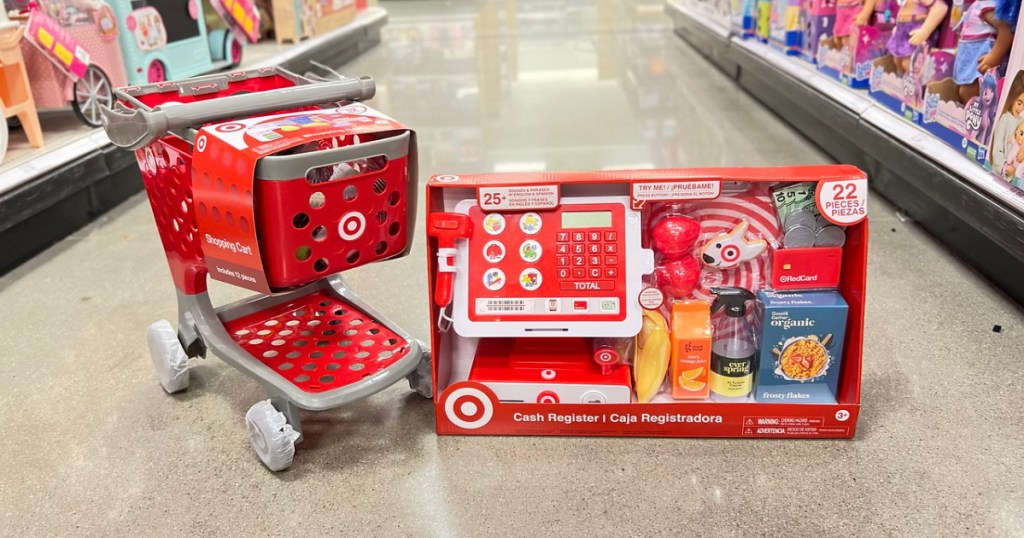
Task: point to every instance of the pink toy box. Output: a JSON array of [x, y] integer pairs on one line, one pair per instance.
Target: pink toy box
[[816, 20], [852, 65], [72, 56], [1005, 156]]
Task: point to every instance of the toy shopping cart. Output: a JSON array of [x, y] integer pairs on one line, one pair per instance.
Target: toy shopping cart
[[328, 204]]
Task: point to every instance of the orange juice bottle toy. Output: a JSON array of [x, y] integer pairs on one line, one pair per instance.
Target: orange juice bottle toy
[[916, 21], [849, 15]]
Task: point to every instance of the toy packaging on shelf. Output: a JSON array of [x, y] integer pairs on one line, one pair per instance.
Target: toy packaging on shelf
[[170, 40], [72, 56], [743, 17], [848, 54], [784, 31], [817, 19], [657, 294], [276, 183], [764, 20], [1006, 156], [914, 56]]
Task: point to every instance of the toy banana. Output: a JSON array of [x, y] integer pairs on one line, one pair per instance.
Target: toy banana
[[652, 353]]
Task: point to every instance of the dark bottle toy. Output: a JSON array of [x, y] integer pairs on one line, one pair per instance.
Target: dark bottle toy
[[733, 351]]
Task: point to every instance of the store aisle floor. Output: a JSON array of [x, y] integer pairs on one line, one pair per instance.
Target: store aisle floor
[[92, 446]]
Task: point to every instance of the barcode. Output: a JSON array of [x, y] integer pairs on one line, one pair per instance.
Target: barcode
[[492, 308], [505, 305]]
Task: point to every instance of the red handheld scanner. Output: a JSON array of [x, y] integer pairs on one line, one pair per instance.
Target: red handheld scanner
[[447, 227]]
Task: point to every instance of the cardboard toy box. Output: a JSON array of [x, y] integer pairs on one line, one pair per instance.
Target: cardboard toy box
[[784, 31], [531, 275], [1005, 158], [743, 17], [798, 332], [817, 17], [852, 65]]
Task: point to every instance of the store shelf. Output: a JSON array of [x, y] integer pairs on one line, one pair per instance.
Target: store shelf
[[46, 198], [974, 214]]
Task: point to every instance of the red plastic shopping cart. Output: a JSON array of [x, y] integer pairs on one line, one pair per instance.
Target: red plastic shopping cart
[[317, 199]]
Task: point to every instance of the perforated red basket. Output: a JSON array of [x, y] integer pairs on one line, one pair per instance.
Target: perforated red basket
[[331, 205]]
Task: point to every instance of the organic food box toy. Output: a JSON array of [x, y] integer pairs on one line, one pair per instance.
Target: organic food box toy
[[624, 302], [1006, 158], [784, 31], [800, 335], [270, 182], [849, 60], [961, 103], [744, 17], [817, 20]]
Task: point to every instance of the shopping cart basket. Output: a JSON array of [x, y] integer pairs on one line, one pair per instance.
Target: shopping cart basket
[[331, 205]]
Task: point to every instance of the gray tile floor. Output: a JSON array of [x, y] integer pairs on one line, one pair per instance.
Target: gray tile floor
[[92, 446]]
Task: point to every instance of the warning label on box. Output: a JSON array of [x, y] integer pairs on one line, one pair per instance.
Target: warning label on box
[[677, 190], [790, 426], [512, 198]]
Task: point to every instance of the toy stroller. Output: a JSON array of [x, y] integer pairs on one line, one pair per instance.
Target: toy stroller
[[325, 204]]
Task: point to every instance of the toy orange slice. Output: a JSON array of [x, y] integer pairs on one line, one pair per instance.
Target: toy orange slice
[[692, 373], [691, 385]]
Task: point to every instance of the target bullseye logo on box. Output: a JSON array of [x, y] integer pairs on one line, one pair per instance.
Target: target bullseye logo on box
[[571, 270]]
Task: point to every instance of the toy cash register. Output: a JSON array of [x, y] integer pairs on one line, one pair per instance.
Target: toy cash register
[[572, 271]]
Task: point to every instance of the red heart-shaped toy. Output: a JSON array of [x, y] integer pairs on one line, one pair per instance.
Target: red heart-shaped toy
[[678, 278], [673, 237]]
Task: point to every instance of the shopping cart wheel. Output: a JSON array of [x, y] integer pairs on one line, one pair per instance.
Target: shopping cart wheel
[[169, 358], [272, 437], [420, 379]]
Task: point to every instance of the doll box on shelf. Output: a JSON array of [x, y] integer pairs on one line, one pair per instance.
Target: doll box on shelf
[[478, 391], [1005, 158], [784, 31], [851, 65]]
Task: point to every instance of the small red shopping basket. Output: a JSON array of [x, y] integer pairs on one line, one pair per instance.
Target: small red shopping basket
[[332, 203]]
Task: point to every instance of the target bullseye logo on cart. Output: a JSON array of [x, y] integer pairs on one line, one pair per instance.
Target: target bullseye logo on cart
[[352, 226], [469, 408], [201, 143], [229, 127]]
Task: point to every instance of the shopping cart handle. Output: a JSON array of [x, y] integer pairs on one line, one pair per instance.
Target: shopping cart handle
[[136, 128]]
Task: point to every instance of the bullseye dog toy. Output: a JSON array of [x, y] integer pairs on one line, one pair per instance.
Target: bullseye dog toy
[[725, 251]]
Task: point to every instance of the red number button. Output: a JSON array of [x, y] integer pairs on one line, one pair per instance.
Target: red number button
[[579, 261], [595, 260], [578, 249], [595, 248], [563, 272], [562, 237], [563, 261], [578, 237], [595, 272], [595, 236], [562, 248]]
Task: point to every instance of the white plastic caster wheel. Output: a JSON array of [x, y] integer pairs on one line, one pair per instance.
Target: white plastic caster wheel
[[420, 380], [169, 358], [272, 437]]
